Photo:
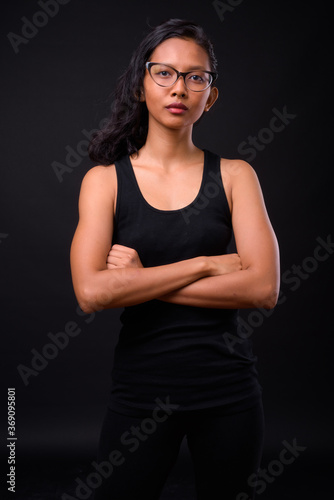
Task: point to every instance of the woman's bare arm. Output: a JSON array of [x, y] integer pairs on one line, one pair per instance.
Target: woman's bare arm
[[98, 287], [257, 284]]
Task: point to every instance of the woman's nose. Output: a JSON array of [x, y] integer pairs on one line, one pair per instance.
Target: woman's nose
[[179, 86]]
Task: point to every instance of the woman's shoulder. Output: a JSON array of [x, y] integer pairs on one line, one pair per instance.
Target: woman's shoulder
[[235, 167], [99, 184], [100, 173], [236, 174], [100, 176]]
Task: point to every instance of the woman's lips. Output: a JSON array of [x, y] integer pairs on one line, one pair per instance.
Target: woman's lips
[[177, 108], [177, 111]]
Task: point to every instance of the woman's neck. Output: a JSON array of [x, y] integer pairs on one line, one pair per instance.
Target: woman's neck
[[167, 148]]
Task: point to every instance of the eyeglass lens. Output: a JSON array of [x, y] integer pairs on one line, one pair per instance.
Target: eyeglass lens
[[165, 76]]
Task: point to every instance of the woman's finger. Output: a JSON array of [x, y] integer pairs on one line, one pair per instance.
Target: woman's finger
[[116, 246]]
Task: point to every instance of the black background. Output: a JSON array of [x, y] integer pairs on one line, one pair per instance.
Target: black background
[[272, 55]]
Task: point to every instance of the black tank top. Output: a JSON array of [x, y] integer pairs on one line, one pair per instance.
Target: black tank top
[[174, 351]]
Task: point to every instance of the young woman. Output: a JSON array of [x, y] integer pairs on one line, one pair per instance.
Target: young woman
[[156, 219]]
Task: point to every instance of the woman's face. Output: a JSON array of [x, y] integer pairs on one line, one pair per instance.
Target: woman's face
[[183, 55]]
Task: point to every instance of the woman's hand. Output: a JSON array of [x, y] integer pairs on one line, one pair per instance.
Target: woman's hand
[[224, 264], [121, 256]]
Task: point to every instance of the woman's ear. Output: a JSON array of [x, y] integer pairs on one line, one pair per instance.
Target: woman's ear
[[212, 98]]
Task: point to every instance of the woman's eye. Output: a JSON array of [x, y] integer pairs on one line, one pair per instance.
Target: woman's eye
[[197, 78], [164, 73]]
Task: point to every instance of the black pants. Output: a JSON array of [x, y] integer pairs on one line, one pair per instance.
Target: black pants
[[136, 454]]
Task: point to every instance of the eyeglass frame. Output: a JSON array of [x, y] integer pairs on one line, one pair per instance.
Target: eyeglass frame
[[213, 74]]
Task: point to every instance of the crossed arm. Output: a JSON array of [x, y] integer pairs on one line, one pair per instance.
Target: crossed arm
[[106, 278]]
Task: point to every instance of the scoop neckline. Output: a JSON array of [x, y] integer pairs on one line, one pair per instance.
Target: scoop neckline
[[175, 210]]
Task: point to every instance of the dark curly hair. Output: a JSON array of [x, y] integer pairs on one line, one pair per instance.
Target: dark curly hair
[[125, 131]]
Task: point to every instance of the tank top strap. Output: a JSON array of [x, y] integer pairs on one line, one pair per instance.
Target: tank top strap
[[212, 162], [127, 192], [125, 175], [213, 186]]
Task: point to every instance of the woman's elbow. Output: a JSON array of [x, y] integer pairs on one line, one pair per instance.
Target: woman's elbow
[[90, 301], [268, 297], [84, 301], [86, 307]]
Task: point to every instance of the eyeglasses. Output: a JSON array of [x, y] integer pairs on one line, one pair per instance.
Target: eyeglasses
[[165, 76]]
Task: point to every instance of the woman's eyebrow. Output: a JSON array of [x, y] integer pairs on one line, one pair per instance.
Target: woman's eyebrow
[[197, 67]]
